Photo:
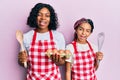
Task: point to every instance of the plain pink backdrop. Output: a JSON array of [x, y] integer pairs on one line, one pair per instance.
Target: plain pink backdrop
[[104, 13]]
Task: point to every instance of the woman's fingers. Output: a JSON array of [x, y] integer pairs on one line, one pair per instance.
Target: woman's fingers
[[22, 57], [55, 57], [58, 55]]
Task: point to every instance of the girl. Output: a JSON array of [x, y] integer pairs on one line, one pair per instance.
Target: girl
[[44, 19], [83, 63]]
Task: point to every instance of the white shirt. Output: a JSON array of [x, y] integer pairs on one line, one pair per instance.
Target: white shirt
[[80, 47], [57, 36]]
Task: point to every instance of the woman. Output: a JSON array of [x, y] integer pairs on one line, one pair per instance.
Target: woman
[[37, 41]]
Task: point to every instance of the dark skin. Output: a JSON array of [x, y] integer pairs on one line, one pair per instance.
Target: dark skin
[[22, 57], [57, 59], [43, 20]]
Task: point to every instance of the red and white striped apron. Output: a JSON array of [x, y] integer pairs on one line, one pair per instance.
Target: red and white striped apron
[[41, 67], [83, 64]]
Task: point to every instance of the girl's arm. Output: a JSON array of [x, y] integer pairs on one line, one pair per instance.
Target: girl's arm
[[96, 65], [68, 71], [99, 56]]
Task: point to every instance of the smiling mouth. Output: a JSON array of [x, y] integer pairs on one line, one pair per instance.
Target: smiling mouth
[[42, 23], [82, 37]]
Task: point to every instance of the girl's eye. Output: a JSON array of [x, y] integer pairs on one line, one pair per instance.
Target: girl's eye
[[80, 28], [89, 31]]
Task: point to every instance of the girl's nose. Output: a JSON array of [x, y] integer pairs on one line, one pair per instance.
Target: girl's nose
[[83, 32]]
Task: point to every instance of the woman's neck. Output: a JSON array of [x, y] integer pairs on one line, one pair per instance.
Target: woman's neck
[[42, 30]]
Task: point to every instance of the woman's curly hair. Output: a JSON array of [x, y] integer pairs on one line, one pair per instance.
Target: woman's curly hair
[[32, 18]]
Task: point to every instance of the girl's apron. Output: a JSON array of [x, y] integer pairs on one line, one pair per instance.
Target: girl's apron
[[83, 64], [41, 67]]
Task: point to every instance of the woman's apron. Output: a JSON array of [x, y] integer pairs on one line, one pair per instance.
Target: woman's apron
[[83, 64], [41, 67]]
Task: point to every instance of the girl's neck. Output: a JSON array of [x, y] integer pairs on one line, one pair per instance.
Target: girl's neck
[[81, 41]]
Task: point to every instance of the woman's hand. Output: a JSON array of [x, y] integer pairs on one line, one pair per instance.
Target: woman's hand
[[55, 55], [22, 57], [57, 58]]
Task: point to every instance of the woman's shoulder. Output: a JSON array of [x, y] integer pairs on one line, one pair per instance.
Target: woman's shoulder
[[29, 33], [28, 36], [57, 34], [70, 45]]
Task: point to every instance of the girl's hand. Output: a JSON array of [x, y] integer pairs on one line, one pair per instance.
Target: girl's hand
[[99, 56]]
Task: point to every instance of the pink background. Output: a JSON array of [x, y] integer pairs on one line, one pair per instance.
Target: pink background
[[104, 13]]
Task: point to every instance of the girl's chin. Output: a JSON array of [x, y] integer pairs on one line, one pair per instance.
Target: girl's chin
[[82, 40]]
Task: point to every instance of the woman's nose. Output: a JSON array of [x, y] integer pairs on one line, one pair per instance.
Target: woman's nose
[[43, 17]]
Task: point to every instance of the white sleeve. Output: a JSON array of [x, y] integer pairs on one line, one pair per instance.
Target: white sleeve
[[59, 39], [61, 42], [95, 48], [27, 39], [70, 47]]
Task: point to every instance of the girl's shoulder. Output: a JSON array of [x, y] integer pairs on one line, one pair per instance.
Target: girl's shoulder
[[94, 46]]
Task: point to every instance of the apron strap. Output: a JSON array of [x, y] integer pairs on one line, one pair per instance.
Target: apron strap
[[35, 34], [75, 46], [51, 35], [89, 46]]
